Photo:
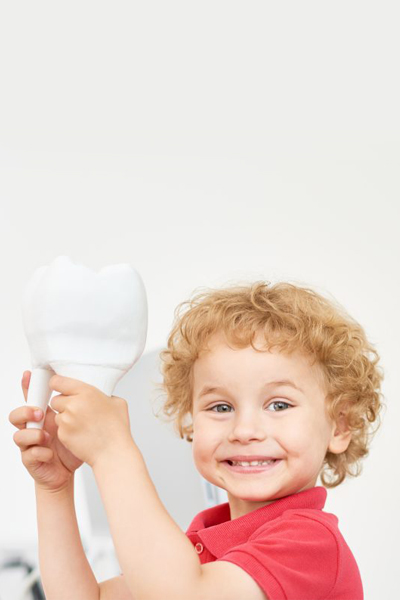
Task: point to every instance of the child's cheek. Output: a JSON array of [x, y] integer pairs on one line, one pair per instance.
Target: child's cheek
[[297, 438], [200, 459], [204, 445]]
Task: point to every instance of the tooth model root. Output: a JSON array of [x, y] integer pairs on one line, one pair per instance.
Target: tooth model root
[[39, 394]]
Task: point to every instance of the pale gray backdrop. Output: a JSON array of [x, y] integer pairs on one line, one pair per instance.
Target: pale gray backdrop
[[205, 143]]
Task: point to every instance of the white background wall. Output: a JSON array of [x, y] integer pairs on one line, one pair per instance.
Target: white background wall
[[208, 143]]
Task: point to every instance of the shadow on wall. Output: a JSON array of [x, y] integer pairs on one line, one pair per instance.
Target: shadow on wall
[[181, 488]]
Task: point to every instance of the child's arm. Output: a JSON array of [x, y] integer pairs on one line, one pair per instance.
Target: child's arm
[[114, 588], [64, 568], [157, 558]]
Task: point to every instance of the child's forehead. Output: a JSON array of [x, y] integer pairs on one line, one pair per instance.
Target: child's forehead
[[293, 358]]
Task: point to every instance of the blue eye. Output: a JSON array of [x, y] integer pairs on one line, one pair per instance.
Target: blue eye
[[279, 402], [217, 406], [224, 411]]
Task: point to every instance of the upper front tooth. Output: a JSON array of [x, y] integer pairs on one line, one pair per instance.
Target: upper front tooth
[[253, 463]]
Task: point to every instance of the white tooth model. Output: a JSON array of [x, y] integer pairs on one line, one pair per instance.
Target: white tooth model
[[82, 324]]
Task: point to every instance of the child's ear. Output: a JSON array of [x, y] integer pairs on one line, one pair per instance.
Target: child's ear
[[341, 435]]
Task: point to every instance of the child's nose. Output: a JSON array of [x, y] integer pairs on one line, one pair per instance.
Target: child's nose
[[248, 427]]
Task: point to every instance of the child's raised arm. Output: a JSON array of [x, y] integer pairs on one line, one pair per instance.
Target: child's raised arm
[[64, 568], [114, 588], [65, 571]]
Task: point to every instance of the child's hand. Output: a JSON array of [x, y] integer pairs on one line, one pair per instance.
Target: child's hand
[[47, 460], [90, 423]]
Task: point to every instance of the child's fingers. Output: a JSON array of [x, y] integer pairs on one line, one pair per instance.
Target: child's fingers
[[35, 454], [25, 438], [20, 416]]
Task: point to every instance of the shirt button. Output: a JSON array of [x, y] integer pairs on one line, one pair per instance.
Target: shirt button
[[199, 548]]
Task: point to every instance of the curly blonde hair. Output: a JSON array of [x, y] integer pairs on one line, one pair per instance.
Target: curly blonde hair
[[292, 318]]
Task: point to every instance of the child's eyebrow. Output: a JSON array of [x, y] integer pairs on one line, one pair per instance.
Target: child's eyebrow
[[209, 390]]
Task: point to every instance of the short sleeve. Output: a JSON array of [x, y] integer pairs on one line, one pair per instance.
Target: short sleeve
[[294, 558]]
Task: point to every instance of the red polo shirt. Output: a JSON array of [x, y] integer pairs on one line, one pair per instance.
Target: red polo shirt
[[291, 548]]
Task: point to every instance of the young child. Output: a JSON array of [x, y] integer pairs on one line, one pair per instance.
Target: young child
[[274, 385]]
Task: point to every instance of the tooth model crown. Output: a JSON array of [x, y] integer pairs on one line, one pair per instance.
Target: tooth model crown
[[82, 324]]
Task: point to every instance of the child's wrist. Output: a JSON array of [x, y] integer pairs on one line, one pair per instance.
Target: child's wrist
[[116, 453], [65, 489]]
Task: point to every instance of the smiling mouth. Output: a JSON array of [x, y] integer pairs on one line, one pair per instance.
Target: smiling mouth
[[249, 469]]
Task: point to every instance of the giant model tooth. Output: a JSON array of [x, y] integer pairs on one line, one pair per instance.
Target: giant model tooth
[[82, 324]]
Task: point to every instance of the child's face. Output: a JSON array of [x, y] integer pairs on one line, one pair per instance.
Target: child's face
[[253, 421]]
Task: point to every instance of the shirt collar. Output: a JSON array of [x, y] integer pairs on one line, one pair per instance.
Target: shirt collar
[[219, 533]]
